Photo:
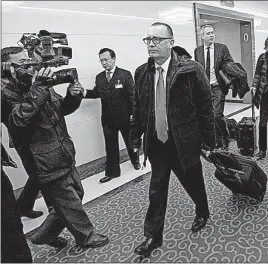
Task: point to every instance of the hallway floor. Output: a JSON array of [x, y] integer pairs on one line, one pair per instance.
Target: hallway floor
[[236, 232]]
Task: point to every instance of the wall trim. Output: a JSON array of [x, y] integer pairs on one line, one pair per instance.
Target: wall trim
[[89, 169]]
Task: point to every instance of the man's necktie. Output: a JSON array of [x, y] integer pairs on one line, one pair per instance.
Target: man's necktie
[[108, 76], [208, 63], [160, 108]]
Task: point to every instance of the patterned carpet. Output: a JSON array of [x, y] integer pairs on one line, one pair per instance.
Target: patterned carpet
[[237, 231]]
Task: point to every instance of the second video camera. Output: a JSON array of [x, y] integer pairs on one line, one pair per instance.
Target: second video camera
[[43, 52]]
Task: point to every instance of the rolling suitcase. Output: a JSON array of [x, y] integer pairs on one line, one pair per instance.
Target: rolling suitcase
[[239, 174], [246, 141]]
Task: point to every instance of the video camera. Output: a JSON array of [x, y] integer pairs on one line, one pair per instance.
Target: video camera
[[42, 52], [32, 42]]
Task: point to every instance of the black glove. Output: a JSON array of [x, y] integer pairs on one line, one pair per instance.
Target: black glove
[[76, 88]]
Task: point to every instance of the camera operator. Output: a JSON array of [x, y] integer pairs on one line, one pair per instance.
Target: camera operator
[[36, 123]]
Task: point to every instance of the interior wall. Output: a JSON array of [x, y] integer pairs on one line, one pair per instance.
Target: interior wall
[[260, 37], [90, 26], [229, 34], [258, 9], [120, 26]]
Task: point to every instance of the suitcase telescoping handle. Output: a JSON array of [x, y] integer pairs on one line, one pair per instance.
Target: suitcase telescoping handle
[[212, 158], [228, 172], [252, 107], [218, 163]]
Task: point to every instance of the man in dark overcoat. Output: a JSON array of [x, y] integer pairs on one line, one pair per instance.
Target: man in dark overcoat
[[174, 111], [260, 99]]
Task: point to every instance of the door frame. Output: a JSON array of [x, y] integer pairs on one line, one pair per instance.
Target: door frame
[[223, 13]]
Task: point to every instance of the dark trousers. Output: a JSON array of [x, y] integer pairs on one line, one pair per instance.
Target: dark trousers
[[111, 133], [14, 247], [163, 159], [263, 123], [26, 200], [66, 194], [222, 131]]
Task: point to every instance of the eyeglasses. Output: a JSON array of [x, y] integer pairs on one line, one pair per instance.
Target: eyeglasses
[[104, 60], [155, 40]]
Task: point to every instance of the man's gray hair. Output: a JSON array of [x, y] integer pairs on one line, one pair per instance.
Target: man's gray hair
[[203, 28]]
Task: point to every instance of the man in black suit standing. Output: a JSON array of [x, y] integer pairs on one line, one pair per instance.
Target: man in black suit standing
[[115, 87], [174, 111], [213, 57]]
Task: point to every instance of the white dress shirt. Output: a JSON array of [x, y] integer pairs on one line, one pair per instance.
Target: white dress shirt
[[111, 71], [213, 79], [111, 74], [164, 66]]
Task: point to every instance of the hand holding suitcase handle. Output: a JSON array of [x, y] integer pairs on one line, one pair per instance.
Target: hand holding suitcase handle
[[229, 173], [205, 150]]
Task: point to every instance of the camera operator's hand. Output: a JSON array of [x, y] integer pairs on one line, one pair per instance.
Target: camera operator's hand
[[7, 66], [45, 74], [76, 88]]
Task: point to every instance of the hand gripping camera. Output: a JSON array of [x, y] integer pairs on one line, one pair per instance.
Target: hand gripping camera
[[43, 52]]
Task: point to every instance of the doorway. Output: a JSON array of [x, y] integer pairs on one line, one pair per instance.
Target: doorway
[[234, 29]]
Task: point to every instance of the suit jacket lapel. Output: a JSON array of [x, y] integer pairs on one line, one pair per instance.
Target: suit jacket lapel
[[172, 71], [114, 79], [150, 84], [103, 77], [170, 75], [201, 55], [216, 56]]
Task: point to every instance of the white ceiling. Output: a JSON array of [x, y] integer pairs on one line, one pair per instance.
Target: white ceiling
[[127, 7]]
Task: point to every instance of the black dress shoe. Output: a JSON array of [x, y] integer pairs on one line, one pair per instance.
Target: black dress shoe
[[199, 223], [32, 214], [57, 242], [96, 240], [147, 246], [137, 166], [107, 178], [261, 154]]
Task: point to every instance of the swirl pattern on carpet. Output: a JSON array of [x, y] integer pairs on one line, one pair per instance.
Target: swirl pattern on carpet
[[236, 232]]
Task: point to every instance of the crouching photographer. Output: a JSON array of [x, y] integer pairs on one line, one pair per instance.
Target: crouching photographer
[[35, 120]]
